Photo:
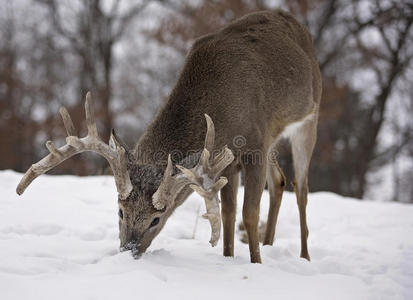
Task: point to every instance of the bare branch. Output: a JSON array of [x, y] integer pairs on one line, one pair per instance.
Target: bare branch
[[127, 18]]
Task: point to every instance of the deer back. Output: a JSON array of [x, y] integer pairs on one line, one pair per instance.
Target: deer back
[[253, 78]]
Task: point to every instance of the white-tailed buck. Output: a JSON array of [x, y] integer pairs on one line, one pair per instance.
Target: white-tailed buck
[[257, 79]]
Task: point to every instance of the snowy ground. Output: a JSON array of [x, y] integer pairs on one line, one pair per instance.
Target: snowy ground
[[59, 241]]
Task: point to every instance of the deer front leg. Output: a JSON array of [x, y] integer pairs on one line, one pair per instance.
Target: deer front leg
[[228, 211], [254, 186]]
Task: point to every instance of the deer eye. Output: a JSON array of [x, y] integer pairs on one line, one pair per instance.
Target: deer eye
[[155, 222], [120, 213]]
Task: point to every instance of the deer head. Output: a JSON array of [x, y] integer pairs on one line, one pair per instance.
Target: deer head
[[147, 194]]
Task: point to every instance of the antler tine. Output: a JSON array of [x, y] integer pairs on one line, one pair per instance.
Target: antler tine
[[221, 160], [169, 187], [116, 156], [52, 149], [90, 117], [169, 167], [67, 122], [210, 134], [204, 159]]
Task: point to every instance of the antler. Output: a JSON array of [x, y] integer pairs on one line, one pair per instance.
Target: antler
[[114, 152], [203, 179]]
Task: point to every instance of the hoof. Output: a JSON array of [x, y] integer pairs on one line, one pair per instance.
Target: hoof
[[306, 256]]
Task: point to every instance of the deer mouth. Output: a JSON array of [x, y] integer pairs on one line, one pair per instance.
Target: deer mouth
[[136, 248], [130, 246]]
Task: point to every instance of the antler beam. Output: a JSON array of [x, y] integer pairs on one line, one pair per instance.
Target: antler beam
[[114, 153], [203, 179]]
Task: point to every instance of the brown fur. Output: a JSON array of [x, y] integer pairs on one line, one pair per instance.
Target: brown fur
[[253, 78]]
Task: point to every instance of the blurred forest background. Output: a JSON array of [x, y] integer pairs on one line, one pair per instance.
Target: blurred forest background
[[129, 54]]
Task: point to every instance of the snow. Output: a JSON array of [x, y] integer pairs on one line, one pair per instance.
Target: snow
[[60, 241]]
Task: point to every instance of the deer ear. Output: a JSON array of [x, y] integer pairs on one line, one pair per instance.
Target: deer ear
[[115, 140], [117, 144]]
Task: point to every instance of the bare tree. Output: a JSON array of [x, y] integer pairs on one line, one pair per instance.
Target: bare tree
[[28, 79], [75, 52], [96, 32]]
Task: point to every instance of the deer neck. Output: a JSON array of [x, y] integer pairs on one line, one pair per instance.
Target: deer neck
[[177, 130]]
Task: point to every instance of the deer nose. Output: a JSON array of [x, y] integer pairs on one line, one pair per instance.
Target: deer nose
[[131, 243], [128, 245]]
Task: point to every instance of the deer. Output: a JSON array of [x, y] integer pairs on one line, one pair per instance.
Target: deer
[[257, 78]]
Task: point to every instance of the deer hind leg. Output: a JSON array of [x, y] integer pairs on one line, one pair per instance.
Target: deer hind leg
[[302, 143], [276, 183], [254, 186], [228, 211]]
